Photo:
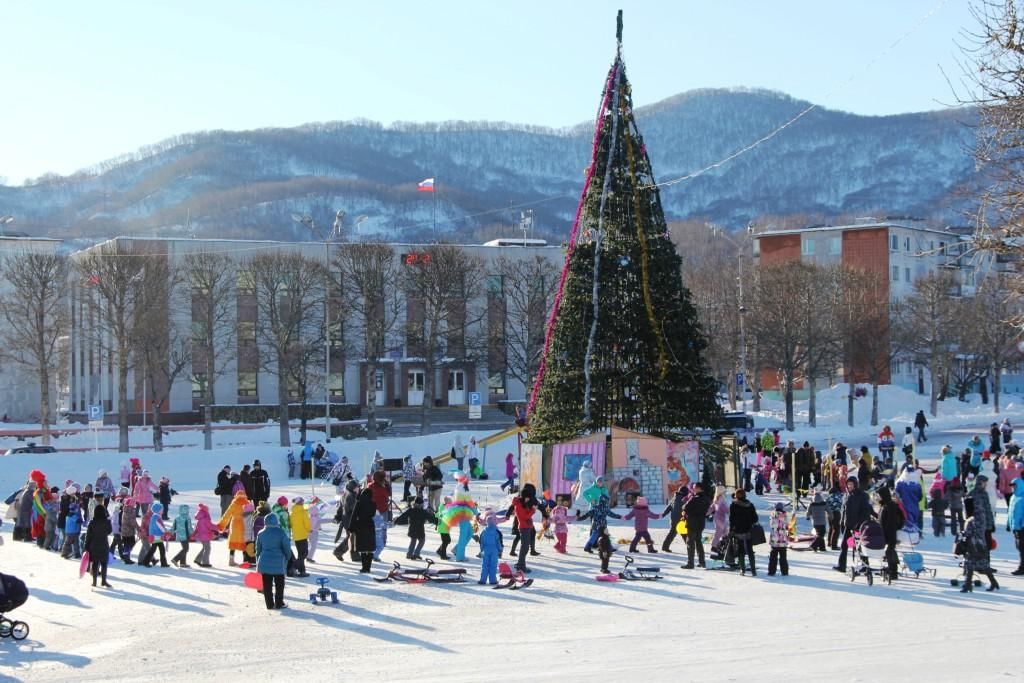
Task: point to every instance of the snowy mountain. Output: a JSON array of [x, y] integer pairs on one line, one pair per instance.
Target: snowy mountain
[[247, 184]]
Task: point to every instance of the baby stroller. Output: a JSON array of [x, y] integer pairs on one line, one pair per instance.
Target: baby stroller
[[911, 561], [867, 543], [13, 594]]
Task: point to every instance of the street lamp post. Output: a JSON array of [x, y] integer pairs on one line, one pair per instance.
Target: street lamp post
[[307, 220]]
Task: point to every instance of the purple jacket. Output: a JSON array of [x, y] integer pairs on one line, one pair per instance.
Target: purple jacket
[[510, 467], [640, 517]]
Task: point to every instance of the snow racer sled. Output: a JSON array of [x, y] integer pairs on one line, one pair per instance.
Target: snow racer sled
[[630, 573], [323, 592], [510, 578], [397, 573]]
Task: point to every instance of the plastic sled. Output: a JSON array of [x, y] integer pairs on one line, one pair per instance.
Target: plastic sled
[[510, 578], [254, 580], [607, 578], [913, 563], [323, 592], [245, 565], [83, 566], [631, 573]]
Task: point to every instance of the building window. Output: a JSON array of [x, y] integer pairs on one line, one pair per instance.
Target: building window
[[906, 244], [496, 383], [246, 334], [894, 243], [807, 247], [494, 285], [942, 248], [199, 385], [244, 282], [336, 385], [906, 274], [247, 384], [895, 273], [835, 246], [335, 335], [969, 277]]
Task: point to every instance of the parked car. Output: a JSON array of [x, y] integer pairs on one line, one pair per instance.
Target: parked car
[[30, 448]]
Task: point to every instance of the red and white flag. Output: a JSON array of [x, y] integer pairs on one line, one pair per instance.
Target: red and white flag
[[426, 185]]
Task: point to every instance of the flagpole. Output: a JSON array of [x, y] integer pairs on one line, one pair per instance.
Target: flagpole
[[434, 211]]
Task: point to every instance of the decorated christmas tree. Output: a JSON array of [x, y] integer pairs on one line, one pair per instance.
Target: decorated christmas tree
[[624, 346]]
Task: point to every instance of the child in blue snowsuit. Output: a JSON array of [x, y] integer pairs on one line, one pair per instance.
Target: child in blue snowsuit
[[599, 514], [490, 546]]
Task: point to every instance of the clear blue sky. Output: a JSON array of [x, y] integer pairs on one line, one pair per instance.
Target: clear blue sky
[[86, 81]]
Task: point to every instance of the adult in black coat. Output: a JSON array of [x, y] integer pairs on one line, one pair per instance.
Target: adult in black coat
[[674, 512], [97, 544], [695, 510], [246, 478], [343, 517], [223, 489], [742, 518], [260, 483], [856, 510], [892, 520], [361, 529], [804, 467]]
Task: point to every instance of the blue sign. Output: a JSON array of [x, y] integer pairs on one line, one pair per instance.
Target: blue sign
[[474, 398], [95, 413], [739, 379]]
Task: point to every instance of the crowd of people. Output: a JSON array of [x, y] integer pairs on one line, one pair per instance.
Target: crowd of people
[[848, 489]]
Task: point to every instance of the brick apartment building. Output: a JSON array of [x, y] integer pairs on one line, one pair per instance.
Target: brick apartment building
[[898, 253]]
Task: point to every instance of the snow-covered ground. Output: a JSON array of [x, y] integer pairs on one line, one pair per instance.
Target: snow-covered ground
[[183, 624]]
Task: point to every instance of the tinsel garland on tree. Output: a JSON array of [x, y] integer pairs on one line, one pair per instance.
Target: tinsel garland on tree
[[624, 346]]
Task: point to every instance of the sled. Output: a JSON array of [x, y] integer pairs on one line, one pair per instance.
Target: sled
[[607, 578], [639, 573], [254, 580], [513, 579], [83, 566], [913, 563], [397, 573], [958, 582], [245, 565], [323, 592]]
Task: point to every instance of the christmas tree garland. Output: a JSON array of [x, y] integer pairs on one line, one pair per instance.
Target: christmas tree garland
[[560, 292], [644, 262], [595, 294]]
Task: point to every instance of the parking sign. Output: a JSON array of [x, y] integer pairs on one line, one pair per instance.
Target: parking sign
[[474, 398], [95, 416]]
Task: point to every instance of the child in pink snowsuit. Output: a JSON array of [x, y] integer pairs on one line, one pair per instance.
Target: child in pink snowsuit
[[641, 514], [560, 517], [314, 528], [205, 531]]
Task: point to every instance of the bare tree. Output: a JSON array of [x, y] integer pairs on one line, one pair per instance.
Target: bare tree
[[289, 300], [445, 283], [713, 284], [997, 337], [113, 272], [527, 292], [212, 280], [36, 314], [371, 278], [162, 350], [994, 84], [820, 330], [930, 319], [779, 323]]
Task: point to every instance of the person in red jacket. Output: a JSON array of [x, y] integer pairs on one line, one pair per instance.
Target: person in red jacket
[[523, 507], [381, 490]]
